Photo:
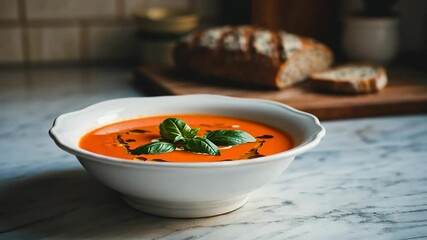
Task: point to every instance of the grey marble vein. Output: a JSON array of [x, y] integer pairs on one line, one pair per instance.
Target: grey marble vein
[[366, 180]]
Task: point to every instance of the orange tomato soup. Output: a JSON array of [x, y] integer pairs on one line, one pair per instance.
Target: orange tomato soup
[[119, 139]]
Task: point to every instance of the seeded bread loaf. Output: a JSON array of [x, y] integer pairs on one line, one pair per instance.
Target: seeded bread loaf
[[357, 78], [252, 55]]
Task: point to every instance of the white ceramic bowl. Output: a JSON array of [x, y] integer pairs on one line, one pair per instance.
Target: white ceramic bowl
[[186, 190]]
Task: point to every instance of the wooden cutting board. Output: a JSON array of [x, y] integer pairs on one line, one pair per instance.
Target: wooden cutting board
[[406, 93]]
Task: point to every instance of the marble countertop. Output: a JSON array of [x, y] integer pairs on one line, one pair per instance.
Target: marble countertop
[[366, 180]]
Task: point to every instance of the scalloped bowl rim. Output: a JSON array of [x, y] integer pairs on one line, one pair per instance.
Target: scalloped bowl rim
[[309, 143]]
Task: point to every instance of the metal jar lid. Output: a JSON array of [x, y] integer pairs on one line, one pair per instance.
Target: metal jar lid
[[166, 20]]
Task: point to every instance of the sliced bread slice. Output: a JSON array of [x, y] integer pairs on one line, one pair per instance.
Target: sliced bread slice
[[355, 78]]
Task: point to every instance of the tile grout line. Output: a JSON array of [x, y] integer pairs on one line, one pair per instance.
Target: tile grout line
[[84, 41], [23, 20], [120, 9]]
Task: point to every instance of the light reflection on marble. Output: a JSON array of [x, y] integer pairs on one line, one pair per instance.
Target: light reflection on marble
[[366, 180]]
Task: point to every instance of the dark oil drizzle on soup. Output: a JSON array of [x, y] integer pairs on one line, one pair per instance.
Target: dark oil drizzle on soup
[[123, 143], [266, 136], [252, 153]]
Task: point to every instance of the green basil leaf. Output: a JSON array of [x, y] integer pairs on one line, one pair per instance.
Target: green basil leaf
[[174, 130], [192, 133], [154, 148], [201, 145], [229, 137]]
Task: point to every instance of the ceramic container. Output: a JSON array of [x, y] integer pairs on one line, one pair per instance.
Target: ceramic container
[[158, 31], [374, 39], [186, 190]]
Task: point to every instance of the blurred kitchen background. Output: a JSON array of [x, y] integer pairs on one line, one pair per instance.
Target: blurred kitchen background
[[46, 32]]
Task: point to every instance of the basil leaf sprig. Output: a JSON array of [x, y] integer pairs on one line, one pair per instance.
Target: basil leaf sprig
[[202, 145], [154, 147], [229, 137], [175, 131]]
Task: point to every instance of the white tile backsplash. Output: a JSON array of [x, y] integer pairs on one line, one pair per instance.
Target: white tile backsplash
[[111, 42], [11, 47], [49, 31], [70, 9], [8, 10], [54, 44]]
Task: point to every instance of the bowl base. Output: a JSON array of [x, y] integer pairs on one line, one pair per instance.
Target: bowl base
[[186, 209]]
